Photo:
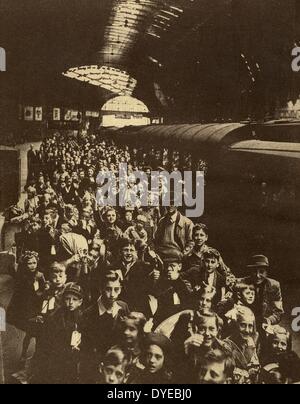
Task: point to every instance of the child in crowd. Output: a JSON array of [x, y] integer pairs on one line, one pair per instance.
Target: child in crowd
[[52, 297], [243, 295], [173, 291], [188, 319], [103, 321], [112, 234], [278, 341], [59, 341], [156, 355], [87, 225], [160, 276], [132, 336], [128, 221], [209, 275], [138, 231], [26, 302], [244, 343], [114, 368], [32, 200], [269, 306], [216, 367], [200, 238]]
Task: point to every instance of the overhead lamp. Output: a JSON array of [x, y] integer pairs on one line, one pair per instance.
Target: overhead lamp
[[115, 80]]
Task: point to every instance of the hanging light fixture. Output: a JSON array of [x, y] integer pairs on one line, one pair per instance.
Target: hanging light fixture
[[110, 78]]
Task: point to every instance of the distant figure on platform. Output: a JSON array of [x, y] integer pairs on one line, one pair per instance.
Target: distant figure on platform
[[32, 160]]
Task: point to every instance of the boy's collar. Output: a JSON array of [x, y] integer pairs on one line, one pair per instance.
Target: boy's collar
[[102, 309]]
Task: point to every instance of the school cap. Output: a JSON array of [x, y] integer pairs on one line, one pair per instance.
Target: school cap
[[173, 259], [74, 289]]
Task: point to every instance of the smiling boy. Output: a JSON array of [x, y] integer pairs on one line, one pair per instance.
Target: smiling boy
[[216, 368], [195, 257], [209, 275], [269, 305], [114, 368]]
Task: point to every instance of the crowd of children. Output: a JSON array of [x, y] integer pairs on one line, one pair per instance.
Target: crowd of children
[[134, 295]]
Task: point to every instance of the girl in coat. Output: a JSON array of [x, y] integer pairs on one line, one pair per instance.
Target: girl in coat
[[26, 301]]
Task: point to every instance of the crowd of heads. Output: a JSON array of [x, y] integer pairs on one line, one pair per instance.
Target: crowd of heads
[[134, 294]]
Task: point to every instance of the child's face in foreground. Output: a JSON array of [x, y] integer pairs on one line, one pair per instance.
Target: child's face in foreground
[[131, 332], [200, 238], [209, 330], [204, 302], [128, 216], [154, 359], [72, 302], [129, 253], [173, 271], [114, 374], [248, 296], [212, 373], [111, 217], [140, 226], [211, 265], [59, 279], [32, 265], [34, 227], [280, 343], [111, 292]]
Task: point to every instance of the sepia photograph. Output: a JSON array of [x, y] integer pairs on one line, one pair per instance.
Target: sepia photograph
[[149, 194]]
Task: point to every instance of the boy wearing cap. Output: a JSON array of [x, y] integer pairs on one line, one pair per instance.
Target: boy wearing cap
[[268, 306], [59, 342]]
